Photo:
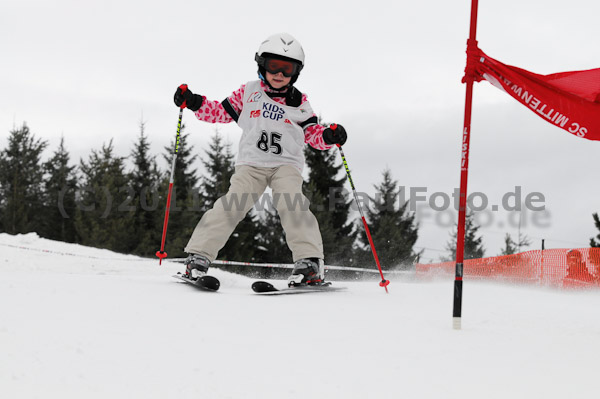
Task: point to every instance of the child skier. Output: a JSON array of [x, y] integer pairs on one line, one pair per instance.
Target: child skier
[[276, 120]]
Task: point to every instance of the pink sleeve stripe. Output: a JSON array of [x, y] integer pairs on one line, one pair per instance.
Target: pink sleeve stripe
[[313, 136], [236, 99], [213, 112]]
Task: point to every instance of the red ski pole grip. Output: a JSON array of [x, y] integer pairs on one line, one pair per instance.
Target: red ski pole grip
[[183, 88], [333, 126]]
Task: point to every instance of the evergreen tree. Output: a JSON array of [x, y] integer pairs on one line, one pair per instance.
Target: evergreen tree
[[473, 245], [595, 241], [512, 247], [144, 182], [60, 187], [219, 164], [393, 228], [185, 202], [323, 172], [21, 182], [330, 203], [337, 247], [105, 212], [271, 245]]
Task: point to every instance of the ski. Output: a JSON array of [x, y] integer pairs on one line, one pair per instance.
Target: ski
[[206, 283], [265, 288]]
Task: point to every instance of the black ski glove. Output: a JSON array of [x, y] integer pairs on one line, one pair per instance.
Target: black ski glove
[[184, 98], [335, 134]]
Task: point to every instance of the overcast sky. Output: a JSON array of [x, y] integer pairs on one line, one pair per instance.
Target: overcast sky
[[389, 71]]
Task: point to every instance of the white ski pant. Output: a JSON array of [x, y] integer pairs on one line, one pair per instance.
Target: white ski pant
[[248, 183]]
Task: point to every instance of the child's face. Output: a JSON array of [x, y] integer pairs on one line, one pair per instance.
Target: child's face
[[278, 80]]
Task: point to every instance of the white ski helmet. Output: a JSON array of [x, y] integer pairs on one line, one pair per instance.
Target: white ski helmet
[[282, 46]]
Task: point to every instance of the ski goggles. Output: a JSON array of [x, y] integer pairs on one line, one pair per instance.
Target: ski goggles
[[274, 66]]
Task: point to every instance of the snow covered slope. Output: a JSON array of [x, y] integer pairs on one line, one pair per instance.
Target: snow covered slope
[[78, 322]]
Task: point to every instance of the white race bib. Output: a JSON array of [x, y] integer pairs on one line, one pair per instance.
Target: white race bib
[[272, 135]]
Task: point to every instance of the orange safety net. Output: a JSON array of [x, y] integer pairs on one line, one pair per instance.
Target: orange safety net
[[565, 268]]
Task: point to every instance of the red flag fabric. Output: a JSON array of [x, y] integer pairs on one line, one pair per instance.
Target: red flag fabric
[[569, 100]]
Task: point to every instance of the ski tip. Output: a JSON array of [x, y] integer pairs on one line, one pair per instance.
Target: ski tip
[[210, 282], [263, 286]]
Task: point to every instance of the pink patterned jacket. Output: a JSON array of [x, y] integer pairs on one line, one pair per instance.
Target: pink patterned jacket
[[214, 112]]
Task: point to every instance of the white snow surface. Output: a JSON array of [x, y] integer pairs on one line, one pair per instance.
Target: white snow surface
[[79, 322]]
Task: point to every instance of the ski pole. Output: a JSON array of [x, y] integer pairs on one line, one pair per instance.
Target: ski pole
[[384, 283], [162, 254]]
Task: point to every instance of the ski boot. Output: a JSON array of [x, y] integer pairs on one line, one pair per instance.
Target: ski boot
[[309, 271], [196, 266]]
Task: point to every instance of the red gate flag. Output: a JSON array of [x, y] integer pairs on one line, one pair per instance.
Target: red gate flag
[[569, 100]]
